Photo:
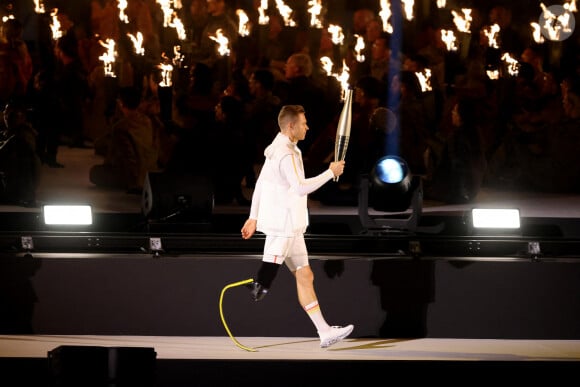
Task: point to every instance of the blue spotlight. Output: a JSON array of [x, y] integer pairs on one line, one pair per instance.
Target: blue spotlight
[[390, 188], [391, 185]]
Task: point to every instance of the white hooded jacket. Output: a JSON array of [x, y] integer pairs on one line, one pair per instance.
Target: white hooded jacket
[[279, 202]]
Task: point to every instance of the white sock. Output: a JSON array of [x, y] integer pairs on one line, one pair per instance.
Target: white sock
[[313, 311]]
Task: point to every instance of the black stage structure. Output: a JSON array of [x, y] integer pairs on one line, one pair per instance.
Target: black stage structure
[[128, 275]]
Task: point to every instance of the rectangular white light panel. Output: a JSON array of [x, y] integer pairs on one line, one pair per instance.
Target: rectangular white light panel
[[68, 215], [501, 218]]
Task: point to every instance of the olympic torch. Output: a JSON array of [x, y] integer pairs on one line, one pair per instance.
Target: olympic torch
[[343, 130]]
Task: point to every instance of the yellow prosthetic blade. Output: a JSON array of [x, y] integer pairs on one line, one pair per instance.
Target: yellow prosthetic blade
[[233, 285]]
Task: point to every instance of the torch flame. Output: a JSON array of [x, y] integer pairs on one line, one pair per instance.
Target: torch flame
[[425, 80], [571, 6], [122, 5], [513, 66], [537, 32], [244, 26], [222, 41], [137, 43], [385, 15], [55, 25], [327, 64], [492, 33], [178, 57], [449, 39], [463, 23], [314, 11], [108, 57], [39, 6], [166, 70], [167, 11], [286, 13], [492, 74], [177, 24], [359, 47], [408, 8], [335, 31], [263, 19]]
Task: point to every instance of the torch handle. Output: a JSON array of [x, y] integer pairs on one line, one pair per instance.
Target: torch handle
[[340, 150]]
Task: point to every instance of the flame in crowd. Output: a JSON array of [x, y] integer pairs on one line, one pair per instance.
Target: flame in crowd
[[537, 33], [167, 11], [424, 80], [166, 71], [492, 74], [177, 24], [513, 66], [408, 8], [551, 28], [39, 6], [314, 11], [137, 43], [170, 18], [385, 15], [122, 5], [492, 33], [326, 64], [336, 34], [55, 25], [108, 57], [244, 24], [448, 37], [222, 41], [286, 13], [263, 19], [178, 57], [571, 6], [463, 23], [359, 47]]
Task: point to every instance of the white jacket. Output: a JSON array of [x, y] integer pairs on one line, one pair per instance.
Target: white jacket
[[279, 202]]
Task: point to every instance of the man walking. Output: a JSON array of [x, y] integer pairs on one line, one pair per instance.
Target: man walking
[[279, 210]]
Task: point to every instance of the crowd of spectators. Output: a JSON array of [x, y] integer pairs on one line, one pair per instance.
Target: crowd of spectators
[[519, 131]]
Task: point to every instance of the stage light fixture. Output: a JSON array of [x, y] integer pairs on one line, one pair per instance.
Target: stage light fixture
[[495, 218], [494, 221], [390, 187], [76, 215]]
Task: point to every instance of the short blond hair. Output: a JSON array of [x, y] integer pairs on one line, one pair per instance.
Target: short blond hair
[[288, 114]]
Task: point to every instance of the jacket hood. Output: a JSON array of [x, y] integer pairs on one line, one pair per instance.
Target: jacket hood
[[280, 140]]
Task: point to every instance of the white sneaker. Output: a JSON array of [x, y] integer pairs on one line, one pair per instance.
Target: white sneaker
[[334, 335]]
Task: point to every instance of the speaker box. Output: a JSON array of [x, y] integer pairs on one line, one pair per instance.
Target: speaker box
[[92, 366], [177, 197]]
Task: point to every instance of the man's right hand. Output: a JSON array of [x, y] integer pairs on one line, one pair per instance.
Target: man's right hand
[[337, 167], [249, 228]]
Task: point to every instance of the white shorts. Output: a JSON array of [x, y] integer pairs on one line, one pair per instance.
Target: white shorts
[[289, 250]]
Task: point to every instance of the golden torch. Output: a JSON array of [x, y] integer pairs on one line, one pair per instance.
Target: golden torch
[[343, 130]]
